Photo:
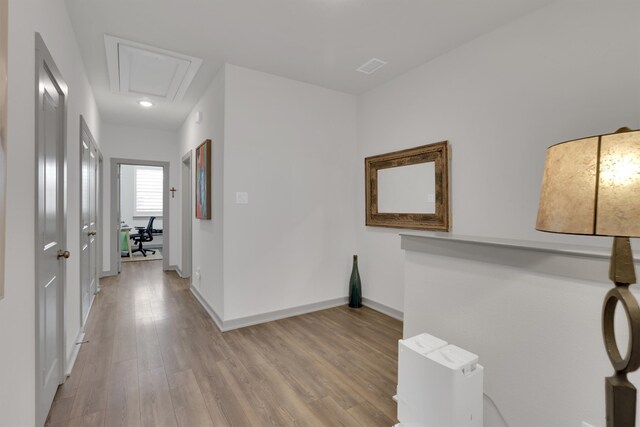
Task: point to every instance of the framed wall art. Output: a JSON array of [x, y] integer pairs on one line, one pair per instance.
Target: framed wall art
[[203, 180], [4, 18]]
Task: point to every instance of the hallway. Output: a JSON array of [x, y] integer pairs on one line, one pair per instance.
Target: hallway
[[154, 358]]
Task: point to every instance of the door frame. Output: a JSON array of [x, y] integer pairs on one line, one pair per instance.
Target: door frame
[[43, 56], [100, 195], [166, 212], [84, 128], [186, 211]]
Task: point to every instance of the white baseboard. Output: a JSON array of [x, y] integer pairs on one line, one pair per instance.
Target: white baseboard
[[108, 273], [210, 311], [241, 322], [282, 314], [179, 271], [71, 360], [384, 309]]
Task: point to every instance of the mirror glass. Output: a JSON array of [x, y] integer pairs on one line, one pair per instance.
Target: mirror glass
[[407, 189]]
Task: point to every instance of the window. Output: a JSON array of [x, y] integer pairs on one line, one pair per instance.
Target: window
[[148, 191]]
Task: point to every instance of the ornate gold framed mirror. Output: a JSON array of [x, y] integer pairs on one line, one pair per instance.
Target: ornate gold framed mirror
[[409, 188]]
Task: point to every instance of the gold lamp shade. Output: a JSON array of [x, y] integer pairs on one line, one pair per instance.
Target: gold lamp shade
[[592, 186]]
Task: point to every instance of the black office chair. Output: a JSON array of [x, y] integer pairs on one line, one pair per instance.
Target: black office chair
[[144, 235]]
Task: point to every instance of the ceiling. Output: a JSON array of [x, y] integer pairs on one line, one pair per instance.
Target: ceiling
[[316, 41]]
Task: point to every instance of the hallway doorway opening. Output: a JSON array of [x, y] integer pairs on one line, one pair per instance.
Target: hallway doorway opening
[[140, 216]]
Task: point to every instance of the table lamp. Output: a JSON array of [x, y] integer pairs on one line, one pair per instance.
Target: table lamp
[[591, 186]]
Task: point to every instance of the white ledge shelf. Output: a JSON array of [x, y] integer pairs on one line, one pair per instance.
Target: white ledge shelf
[[527, 245], [584, 263]]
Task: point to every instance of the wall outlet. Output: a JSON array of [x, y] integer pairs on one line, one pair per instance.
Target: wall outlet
[[242, 198], [198, 277]]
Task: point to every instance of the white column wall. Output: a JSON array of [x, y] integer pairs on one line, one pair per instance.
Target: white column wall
[[291, 147], [207, 235]]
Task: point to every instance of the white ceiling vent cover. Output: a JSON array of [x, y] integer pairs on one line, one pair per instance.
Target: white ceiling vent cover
[[371, 66], [145, 71]]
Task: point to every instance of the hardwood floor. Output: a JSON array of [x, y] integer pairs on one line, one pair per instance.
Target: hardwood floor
[[155, 358]]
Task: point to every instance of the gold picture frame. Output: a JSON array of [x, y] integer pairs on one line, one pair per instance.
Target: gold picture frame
[[439, 220]]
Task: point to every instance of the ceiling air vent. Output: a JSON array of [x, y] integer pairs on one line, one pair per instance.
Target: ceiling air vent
[[145, 71], [371, 66]]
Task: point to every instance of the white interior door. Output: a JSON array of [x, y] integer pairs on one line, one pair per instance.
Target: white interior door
[[88, 232], [93, 219], [50, 230]]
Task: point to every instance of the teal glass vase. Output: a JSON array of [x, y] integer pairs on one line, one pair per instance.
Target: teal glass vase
[[355, 287]]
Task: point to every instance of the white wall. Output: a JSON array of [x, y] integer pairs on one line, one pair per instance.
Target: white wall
[[533, 317], [290, 145], [126, 142], [500, 100], [207, 235], [17, 310]]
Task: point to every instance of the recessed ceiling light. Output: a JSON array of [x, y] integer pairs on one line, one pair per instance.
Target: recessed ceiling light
[[146, 104], [371, 66]]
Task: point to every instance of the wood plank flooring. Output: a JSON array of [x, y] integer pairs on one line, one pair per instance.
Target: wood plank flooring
[[155, 358]]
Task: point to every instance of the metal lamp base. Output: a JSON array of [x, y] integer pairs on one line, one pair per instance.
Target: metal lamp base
[[621, 401], [620, 393]]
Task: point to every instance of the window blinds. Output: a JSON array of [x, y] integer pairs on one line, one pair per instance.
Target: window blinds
[[149, 191]]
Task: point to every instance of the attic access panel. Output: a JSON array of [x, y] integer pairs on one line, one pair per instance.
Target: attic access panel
[[140, 70]]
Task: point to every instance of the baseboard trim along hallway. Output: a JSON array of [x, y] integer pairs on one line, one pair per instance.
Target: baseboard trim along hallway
[[71, 360], [242, 322], [229, 325]]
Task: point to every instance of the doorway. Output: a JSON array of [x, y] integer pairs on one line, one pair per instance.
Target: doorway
[[143, 211], [50, 228], [185, 267]]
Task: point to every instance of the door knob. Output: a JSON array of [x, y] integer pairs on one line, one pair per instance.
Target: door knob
[[63, 254], [92, 233]]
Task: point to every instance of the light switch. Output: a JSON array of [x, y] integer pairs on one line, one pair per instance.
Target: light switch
[[242, 198]]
